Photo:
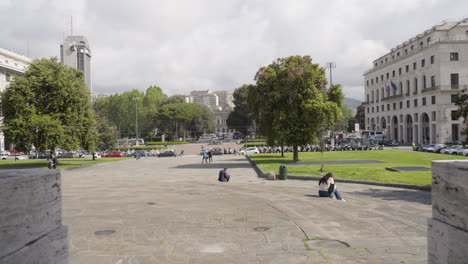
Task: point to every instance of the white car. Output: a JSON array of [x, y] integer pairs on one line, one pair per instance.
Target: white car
[[249, 150], [465, 152], [14, 157], [454, 150], [90, 155]]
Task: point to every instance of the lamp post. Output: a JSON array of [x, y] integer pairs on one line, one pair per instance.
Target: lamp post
[[331, 66], [136, 117]]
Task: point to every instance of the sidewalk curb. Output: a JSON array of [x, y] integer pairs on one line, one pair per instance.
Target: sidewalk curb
[[262, 174]]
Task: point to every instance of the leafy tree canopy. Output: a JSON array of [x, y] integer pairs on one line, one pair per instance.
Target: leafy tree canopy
[[242, 117], [292, 102], [48, 107]]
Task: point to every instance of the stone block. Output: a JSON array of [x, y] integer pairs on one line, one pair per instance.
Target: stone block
[[49, 249], [30, 206], [450, 192], [446, 244]]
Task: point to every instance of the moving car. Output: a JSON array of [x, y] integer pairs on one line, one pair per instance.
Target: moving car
[[114, 154], [249, 150], [167, 153]]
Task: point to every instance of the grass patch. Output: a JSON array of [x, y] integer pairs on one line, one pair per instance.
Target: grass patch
[[365, 172], [63, 163]]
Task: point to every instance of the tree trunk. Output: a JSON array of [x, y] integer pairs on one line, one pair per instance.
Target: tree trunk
[[282, 151], [94, 156], [296, 153]]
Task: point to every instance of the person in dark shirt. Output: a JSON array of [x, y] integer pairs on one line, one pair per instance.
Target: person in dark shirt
[[223, 175]]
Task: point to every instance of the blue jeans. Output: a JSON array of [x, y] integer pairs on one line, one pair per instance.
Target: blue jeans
[[330, 195]]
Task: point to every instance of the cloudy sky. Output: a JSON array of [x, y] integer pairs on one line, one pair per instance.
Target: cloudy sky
[[185, 45]]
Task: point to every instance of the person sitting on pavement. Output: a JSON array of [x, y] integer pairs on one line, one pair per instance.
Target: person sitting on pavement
[[327, 187], [223, 175]]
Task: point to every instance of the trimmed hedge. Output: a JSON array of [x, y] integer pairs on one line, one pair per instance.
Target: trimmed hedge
[[142, 148], [260, 144], [166, 143], [255, 140]]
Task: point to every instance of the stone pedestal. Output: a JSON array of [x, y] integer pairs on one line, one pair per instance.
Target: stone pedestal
[[448, 227], [31, 229]]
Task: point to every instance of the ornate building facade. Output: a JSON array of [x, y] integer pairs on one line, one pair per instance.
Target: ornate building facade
[[410, 91]]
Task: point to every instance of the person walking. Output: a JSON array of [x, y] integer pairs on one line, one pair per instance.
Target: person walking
[[327, 187], [223, 175], [204, 157], [210, 156]]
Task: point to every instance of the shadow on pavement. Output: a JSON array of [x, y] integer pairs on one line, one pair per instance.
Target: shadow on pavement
[[313, 195], [422, 197], [214, 166]]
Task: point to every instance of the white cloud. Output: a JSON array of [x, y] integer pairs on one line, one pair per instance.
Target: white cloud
[[209, 44]]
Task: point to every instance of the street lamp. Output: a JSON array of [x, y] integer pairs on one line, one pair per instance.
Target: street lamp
[[136, 117], [331, 66]]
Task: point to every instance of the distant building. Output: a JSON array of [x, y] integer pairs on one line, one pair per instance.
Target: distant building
[[11, 65], [410, 91], [220, 102], [75, 52]]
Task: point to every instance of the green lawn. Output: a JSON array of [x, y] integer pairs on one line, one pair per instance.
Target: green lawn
[[63, 163], [367, 172]]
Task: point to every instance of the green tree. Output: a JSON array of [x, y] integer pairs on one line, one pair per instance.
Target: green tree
[[344, 123], [242, 117], [107, 135], [462, 103], [181, 118], [49, 106], [292, 102]]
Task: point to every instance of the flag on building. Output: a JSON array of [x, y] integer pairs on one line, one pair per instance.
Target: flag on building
[[394, 86]]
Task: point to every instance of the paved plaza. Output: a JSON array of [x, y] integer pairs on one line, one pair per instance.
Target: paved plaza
[[173, 210]]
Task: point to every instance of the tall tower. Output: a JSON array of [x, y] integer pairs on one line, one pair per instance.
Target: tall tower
[[75, 52]]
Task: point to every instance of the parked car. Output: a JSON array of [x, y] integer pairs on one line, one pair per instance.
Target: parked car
[[460, 150], [14, 157], [142, 153], [453, 150], [430, 148], [69, 155], [465, 152], [90, 155], [4, 155], [114, 154], [249, 150], [167, 153], [427, 146], [216, 151], [438, 148]]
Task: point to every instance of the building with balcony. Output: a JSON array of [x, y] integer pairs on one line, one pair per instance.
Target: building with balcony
[[11, 65], [410, 91]]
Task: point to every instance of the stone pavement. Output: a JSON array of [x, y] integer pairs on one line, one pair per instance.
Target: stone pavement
[[173, 210]]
